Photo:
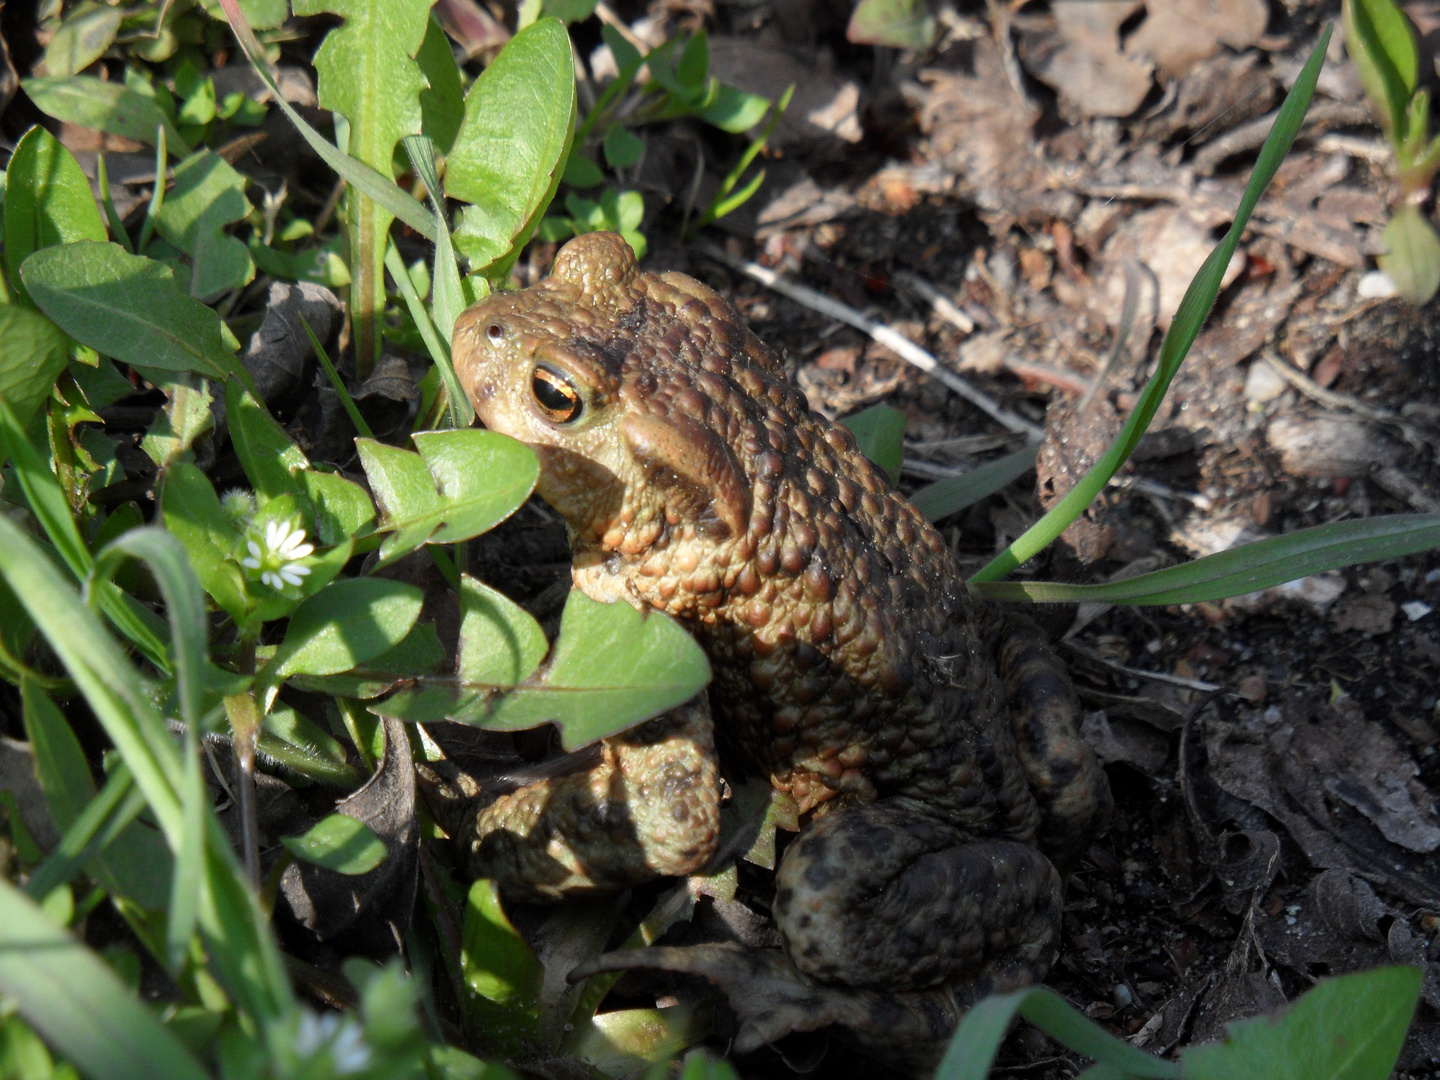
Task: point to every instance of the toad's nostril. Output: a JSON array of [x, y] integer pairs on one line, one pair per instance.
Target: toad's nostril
[[495, 332]]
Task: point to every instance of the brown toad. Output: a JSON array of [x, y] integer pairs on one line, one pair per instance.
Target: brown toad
[[930, 740]]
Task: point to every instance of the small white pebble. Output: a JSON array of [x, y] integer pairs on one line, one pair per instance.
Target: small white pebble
[[1376, 285], [1432, 577], [1262, 384], [1416, 610], [1123, 997]]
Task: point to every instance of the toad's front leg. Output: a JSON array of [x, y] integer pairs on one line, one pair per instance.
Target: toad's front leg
[[650, 808]]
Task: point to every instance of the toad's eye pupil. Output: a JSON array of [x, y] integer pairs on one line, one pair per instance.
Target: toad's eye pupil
[[556, 395], [495, 331]]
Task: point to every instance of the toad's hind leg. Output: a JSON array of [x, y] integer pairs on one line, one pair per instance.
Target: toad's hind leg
[[884, 896], [650, 808], [1065, 777]]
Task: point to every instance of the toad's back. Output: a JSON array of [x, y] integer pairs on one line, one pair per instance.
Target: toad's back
[[848, 657]]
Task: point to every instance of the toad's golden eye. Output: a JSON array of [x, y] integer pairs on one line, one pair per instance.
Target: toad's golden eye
[[556, 395]]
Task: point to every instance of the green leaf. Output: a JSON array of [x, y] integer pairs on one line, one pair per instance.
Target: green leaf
[[47, 201], [76, 1001], [367, 71], [501, 644], [419, 653], [622, 148], [612, 668], [973, 1046], [352, 621], [570, 10], [193, 514], [269, 457], [1412, 258], [261, 14], [1346, 1028], [371, 183], [501, 973], [185, 417], [581, 172], [33, 353], [694, 64], [297, 743], [510, 152], [105, 106], [208, 195], [949, 496], [1379, 39], [338, 843], [1247, 568], [442, 106], [1185, 327], [734, 110], [880, 433], [467, 482], [895, 24], [81, 40], [128, 307]]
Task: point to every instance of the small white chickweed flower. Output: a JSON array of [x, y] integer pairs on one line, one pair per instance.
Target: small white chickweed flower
[[278, 559]]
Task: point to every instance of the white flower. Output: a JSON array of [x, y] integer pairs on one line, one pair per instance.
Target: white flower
[[278, 560], [341, 1036]]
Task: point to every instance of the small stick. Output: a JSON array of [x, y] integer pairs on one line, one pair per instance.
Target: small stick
[[891, 339], [943, 305]]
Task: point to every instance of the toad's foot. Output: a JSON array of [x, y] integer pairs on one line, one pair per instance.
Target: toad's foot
[[649, 808], [772, 999]]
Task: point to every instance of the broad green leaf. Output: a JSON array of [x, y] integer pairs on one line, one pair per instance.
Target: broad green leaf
[[570, 10], [1346, 1028], [501, 644], [622, 1041], [420, 652], [134, 864], [442, 106], [945, 497], [128, 307], [208, 195], [896, 24], [694, 63], [185, 417], [367, 73], [1379, 39], [612, 668], [338, 843], [76, 1001], [33, 353], [354, 620], [81, 40], [1189, 317], [501, 973], [510, 152], [880, 433], [105, 106], [342, 509], [622, 147], [373, 184], [193, 514], [972, 1047], [467, 482], [269, 457], [734, 110], [47, 201], [1412, 258], [1247, 568]]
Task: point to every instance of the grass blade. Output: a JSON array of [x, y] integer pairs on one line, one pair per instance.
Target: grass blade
[[81, 1007], [461, 414], [1182, 333], [1260, 565], [950, 496]]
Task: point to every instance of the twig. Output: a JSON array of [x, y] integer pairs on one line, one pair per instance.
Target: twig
[[943, 305], [1141, 673], [903, 346], [1333, 399]]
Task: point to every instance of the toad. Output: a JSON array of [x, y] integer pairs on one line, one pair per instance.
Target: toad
[[928, 740]]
